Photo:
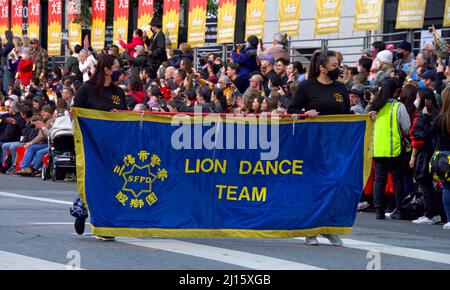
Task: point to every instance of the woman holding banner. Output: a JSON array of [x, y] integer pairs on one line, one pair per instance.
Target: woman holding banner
[[321, 94], [99, 93]]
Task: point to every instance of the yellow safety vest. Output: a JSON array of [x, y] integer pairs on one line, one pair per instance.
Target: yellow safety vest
[[387, 138]]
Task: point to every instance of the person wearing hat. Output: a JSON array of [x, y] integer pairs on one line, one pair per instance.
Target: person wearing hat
[[356, 95], [405, 58], [279, 48], [384, 59], [246, 57], [156, 44], [7, 48], [43, 123], [137, 61], [40, 59]]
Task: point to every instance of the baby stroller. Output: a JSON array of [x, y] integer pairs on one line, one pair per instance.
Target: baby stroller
[[61, 161]]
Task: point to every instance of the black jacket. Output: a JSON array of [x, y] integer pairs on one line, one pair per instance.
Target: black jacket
[[12, 131], [422, 132], [5, 51], [29, 132], [157, 45], [136, 63]]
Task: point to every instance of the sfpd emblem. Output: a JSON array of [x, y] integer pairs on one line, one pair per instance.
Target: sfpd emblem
[[139, 173]]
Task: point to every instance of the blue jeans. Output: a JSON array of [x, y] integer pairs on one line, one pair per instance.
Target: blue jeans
[[37, 161], [10, 146], [30, 154], [6, 78]]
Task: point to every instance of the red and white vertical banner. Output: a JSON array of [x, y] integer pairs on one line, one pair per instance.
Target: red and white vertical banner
[[98, 24], [120, 20], [34, 7], [145, 14], [171, 21], [74, 33], [4, 16], [54, 27], [197, 23], [16, 17]]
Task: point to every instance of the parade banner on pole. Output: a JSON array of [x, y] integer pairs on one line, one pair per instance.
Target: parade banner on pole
[[74, 28], [179, 176], [54, 27], [410, 14], [98, 24], [368, 15], [197, 23], [447, 14], [121, 21], [145, 14], [328, 16], [171, 21], [226, 21], [34, 8], [256, 12], [4, 16], [289, 17], [16, 17]]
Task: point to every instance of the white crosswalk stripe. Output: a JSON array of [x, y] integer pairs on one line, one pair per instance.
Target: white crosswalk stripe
[[11, 261]]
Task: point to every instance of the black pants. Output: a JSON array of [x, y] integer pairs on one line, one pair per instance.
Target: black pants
[[430, 197], [384, 165]]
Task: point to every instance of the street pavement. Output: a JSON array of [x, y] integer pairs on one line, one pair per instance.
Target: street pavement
[[36, 232]]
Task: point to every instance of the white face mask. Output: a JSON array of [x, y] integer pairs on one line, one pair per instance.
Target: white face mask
[[51, 97], [359, 69], [417, 103], [219, 86]]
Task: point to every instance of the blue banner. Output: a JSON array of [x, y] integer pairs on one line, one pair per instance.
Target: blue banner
[[154, 175]]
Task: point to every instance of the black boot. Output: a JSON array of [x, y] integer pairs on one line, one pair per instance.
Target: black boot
[[79, 225], [380, 214]]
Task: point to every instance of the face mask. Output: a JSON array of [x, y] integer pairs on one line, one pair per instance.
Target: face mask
[[51, 97], [417, 103], [359, 69], [421, 84], [219, 86], [115, 76], [400, 55], [333, 74]]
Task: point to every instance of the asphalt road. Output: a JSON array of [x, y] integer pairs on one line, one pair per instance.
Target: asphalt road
[[36, 232]]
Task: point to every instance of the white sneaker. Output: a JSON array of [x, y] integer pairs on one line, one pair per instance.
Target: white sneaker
[[426, 221], [446, 226], [311, 241], [363, 205], [334, 240]]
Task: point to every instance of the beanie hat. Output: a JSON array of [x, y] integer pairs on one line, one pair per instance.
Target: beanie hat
[[385, 56], [47, 109], [405, 45]]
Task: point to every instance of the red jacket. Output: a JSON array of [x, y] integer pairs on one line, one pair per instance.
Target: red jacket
[[130, 46], [138, 96], [25, 71], [416, 144]]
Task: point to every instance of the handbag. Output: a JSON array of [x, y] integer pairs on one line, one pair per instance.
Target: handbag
[[440, 166]]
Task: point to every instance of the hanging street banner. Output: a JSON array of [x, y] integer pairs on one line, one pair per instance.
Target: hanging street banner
[[4, 15], [54, 27], [410, 14], [145, 15], [256, 12], [289, 17], [171, 21], [368, 15], [16, 17], [447, 14], [74, 28], [34, 8], [221, 176], [98, 24], [120, 21], [328, 16], [197, 23], [226, 21]]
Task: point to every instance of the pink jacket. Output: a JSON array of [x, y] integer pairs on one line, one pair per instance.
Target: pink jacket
[[130, 46]]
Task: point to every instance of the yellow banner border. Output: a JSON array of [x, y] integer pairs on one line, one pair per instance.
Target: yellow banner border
[[209, 233]]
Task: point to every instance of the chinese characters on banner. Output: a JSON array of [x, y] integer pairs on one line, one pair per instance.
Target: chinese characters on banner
[[197, 23], [410, 14], [171, 21], [4, 12], [34, 8], [256, 11], [74, 28], [226, 21], [367, 15], [16, 17], [98, 24], [120, 20], [54, 27], [328, 13], [145, 14], [289, 17], [447, 14]]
